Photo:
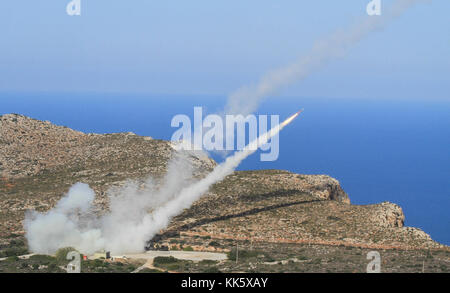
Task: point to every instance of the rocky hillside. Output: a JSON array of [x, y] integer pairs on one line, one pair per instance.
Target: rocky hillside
[[39, 161], [31, 147]]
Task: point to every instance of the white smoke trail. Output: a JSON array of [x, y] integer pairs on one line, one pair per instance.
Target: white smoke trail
[[161, 217], [135, 215], [246, 99]]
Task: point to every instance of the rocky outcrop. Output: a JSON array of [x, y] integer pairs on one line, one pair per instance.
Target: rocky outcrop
[[328, 186], [388, 214]]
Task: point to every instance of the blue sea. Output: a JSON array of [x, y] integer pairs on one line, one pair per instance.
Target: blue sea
[[380, 150]]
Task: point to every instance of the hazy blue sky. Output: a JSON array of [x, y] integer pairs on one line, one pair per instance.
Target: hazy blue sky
[[214, 47]]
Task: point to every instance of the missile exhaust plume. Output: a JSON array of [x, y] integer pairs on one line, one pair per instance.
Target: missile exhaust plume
[[162, 216], [135, 215], [246, 99]]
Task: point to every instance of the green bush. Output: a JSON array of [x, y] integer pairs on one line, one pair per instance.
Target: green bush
[[316, 261], [188, 248], [147, 271], [207, 262], [243, 254], [52, 267], [302, 257], [42, 259], [12, 259], [269, 258], [15, 243], [13, 251], [174, 267]]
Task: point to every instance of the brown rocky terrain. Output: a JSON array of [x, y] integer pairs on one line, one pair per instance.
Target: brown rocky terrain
[[268, 209]]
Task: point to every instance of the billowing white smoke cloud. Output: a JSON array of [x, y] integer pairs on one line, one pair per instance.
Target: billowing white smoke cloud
[[246, 99], [63, 225], [72, 222], [135, 215]]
